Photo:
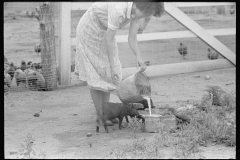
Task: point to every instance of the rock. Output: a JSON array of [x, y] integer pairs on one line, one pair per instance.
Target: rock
[[207, 77], [196, 76], [229, 83], [12, 153], [36, 115], [89, 135]]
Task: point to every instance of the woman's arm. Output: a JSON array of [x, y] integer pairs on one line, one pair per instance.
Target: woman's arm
[[133, 43], [110, 34], [144, 24]]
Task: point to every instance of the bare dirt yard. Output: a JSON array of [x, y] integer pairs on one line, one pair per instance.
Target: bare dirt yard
[[55, 124], [66, 116]]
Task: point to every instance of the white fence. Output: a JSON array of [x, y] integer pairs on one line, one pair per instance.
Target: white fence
[[66, 41]]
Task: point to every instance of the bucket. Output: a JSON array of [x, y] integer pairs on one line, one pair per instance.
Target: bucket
[[155, 122], [134, 88]]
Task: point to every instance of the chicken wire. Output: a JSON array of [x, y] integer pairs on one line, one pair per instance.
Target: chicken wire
[[32, 70], [165, 51], [155, 51], [208, 17]]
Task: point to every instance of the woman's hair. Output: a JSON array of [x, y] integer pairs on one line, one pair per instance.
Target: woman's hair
[[155, 8]]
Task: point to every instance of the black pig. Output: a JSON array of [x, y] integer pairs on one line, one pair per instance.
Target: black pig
[[118, 110]]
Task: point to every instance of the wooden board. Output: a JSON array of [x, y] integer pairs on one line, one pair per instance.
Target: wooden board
[[80, 5], [65, 43], [171, 35], [86, 5], [200, 32], [171, 69], [179, 68], [201, 4]]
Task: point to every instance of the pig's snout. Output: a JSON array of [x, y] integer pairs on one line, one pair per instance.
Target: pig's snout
[[142, 118]]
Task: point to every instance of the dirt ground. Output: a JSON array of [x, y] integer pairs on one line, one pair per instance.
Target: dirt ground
[[67, 115]]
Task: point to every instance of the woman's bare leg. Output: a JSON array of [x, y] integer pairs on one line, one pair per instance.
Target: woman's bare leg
[[97, 100], [98, 97], [105, 97]]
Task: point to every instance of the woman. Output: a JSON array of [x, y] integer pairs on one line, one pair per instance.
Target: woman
[[97, 60]]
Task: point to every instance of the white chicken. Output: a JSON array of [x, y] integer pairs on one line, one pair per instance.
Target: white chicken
[[20, 76], [7, 81], [35, 81]]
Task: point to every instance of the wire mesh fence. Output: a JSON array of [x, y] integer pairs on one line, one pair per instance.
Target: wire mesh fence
[[165, 51], [22, 39], [29, 45]]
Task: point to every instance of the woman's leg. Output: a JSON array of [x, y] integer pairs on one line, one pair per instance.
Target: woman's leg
[[98, 97], [105, 97], [97, 100]]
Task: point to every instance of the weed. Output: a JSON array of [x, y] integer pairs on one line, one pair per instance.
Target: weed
[[136, 125], [212, 121], [27, 151], [216, 121]]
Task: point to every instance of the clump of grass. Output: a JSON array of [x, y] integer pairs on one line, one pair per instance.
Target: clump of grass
[[216, 121], [136, 125], [214, 94], [27, 151], [138, 148], [213, 121]]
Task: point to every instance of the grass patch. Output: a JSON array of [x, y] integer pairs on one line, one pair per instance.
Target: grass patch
[[213, 121], [27, 152]]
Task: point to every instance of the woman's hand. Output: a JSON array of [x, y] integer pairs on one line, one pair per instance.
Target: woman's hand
[[142, 66], [115, 75]]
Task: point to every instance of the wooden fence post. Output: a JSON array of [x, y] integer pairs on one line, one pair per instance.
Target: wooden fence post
[[47, 38], [65, 43]]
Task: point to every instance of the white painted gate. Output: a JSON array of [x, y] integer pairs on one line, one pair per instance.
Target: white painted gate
[[195, 30]]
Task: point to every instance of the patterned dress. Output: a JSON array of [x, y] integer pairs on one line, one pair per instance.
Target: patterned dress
[[92, 63]]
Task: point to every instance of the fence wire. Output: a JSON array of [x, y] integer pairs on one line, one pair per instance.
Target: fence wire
[[22, 37], [30, 46]]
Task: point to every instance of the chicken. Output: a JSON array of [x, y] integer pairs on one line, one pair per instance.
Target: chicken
[[72, 67], [20, 76], [23, 65], [212, 55], [29, 64], [37, 48], [35, 81], [181, 117], [232, 10], [7, 80], [39, 66], [11, 70], [182, 49]]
